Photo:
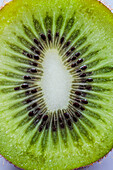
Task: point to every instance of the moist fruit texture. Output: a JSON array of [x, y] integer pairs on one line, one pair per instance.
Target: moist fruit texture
[[56, 83]]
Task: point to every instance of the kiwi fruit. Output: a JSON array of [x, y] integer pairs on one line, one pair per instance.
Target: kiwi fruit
[[56, 83]]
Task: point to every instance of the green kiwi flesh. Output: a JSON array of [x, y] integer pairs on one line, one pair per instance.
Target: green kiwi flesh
[[41, 128]]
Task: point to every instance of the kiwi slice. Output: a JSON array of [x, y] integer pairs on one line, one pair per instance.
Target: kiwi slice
[[56, 83]]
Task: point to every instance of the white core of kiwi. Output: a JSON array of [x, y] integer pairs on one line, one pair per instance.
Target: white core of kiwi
[[56, 81]]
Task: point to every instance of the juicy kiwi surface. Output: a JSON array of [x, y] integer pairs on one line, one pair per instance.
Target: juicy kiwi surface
[[56, 83]]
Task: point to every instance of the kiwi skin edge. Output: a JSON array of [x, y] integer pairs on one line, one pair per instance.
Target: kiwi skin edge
[[80, 167], [75, 168]]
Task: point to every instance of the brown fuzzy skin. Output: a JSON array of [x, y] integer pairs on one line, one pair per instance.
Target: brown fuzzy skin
[[80, 168]]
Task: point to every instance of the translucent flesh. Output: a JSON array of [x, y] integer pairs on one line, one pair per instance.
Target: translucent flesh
[[92, 137]]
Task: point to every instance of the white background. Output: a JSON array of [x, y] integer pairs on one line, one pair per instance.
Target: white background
[[105, 164]]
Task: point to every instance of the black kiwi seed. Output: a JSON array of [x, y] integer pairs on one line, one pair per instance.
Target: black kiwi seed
[[34, 105], [78, 70], [40, 128], [69, 60], [66, 115], [57, 34], [83, 75], [43, 37], [84, 101], [76, 104], [31, 113], [84, 67], [28, 101], [77, 114], [45, 117], [78, 93], [34, 91], [77, 54], [73, 65], [89, 80], [72, 48], [36, 57], [68, 43], [68, 53], [75, 119], [36, 41], [33, 48], [80, 61], [69, 122], [49, 37], [62, 40], [37, 52], [29, 55], [25, 85], [82, 108], [17, 88], [26, 77], [34, 64], [33, 70], [73, 58]]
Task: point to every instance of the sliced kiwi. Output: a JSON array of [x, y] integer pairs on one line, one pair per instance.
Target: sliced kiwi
[[56, 83]]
